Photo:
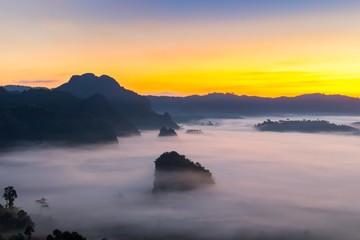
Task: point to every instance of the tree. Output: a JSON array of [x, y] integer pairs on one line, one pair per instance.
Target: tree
[[9, 195], [58, 235], [28, 231], [42, 202], [19, 236]]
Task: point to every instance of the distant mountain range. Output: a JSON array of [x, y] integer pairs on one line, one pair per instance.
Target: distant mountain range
[[217, 105], [89, 108], [20, 88]]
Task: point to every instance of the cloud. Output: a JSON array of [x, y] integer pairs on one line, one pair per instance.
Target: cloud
[[267, 184], [36, 81]]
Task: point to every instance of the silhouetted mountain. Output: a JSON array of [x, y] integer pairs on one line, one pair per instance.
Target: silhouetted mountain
[[218, 105], [3, 90], [65, 103], [167, 132], [307, 126], [45, 115], [135, 107], [39, 125], [174, 172], [20, 88], [98, 107]]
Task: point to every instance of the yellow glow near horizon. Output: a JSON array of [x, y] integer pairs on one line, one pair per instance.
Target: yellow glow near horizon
[[272, 57]]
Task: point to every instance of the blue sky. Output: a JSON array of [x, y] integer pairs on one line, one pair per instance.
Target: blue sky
[[117, 10]]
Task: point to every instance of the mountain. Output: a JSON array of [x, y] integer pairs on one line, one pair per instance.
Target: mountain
[[98, 107], [48, 116], [217, 105], [167, 132], [30, 124], [135, 107], [20, 88], [3, 90]]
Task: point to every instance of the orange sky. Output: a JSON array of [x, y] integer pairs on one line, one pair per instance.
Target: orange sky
[[276, 55]]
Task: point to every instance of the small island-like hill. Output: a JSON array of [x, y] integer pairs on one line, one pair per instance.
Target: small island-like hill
[[167, 132], [174, 172], [306, 126]]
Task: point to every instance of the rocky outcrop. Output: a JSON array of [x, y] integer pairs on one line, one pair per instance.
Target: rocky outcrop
[[194, 131], [167, 132], [174, 172]]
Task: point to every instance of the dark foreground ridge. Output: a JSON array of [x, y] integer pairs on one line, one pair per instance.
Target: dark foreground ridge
[[31, 125], [307, 126], [167, 132], [174, 172], [45, 116]]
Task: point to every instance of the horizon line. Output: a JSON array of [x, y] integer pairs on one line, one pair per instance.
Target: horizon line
[[176, 95]]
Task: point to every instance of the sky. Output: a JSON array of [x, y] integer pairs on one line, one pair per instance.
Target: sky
[[183, 47]]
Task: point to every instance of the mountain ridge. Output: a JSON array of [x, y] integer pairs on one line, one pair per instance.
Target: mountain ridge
[[220, 105], [41, 115], [135, 107]]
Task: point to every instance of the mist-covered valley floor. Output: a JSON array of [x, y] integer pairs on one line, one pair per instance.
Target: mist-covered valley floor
[[268, 185]]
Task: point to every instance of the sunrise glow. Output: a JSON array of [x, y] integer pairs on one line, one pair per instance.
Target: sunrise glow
[[265, 49]]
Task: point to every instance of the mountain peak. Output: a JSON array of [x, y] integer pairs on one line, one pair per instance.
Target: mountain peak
[[132, 105], [87, 75], [88, 84], [90, 78], [321, 96]]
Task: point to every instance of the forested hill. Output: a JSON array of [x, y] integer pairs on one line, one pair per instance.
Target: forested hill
[[229, 105]]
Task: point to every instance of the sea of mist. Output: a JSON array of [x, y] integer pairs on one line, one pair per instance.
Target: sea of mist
[[268, 185]]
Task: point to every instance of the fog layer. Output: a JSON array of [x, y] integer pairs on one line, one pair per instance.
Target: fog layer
[[267, 184]]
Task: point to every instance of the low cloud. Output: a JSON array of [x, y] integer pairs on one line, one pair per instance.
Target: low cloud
[[273, 185], [36, 81]]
